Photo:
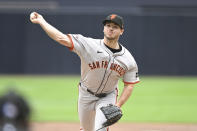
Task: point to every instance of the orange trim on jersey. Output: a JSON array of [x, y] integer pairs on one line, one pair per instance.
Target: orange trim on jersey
[[116, 95], [72, 47], [78, 101], [131, 82]]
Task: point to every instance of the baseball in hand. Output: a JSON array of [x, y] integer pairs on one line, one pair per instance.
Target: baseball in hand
[[32, 15]]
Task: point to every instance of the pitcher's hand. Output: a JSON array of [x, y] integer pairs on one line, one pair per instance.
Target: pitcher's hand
[[36, 18]]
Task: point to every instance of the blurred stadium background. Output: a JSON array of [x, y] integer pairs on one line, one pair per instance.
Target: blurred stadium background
[[161, 34]]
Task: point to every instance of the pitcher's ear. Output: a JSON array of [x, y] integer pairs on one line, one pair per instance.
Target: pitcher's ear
[[122, 31]]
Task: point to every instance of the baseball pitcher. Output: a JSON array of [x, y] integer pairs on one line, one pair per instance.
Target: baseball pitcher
[[103, 63]]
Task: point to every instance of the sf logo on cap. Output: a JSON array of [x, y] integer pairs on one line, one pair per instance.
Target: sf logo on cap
[[113, 16]]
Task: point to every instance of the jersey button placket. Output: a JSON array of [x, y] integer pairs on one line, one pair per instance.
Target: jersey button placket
[[107, 76]]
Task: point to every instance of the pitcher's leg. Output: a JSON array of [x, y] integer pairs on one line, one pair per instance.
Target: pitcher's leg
[[87, 118], [100, 118], [86, 111]]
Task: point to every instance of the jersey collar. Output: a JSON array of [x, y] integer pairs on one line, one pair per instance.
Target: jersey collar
[[109, 51]]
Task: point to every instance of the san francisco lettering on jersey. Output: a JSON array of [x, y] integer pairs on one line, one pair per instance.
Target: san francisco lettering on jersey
[[104, 64]]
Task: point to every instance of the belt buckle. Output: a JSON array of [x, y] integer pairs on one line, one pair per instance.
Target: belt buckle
[[101, 95], [97, 95]]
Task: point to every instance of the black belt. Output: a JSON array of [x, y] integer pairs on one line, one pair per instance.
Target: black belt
[[97, 95]]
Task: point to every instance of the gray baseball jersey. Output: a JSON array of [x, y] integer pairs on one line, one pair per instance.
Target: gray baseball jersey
[[100, 68]]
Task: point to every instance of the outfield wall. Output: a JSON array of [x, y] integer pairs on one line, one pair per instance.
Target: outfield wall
[[162, 43]]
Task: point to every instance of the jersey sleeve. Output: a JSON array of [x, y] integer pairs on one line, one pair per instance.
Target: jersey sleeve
[[79, 43], [131, 76]]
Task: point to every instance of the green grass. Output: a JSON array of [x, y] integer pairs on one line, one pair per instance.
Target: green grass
[[163, 99], [154, 99]]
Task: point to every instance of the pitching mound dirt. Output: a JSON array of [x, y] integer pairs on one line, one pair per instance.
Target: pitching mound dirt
[[116, 127]]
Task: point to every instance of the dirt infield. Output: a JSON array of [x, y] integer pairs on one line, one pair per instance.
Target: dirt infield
[[116, 127]]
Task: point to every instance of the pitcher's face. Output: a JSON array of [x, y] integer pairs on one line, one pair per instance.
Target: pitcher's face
[[112, 31]]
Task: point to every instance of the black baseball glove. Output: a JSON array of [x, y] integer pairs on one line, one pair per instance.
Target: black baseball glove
[[112, 114]]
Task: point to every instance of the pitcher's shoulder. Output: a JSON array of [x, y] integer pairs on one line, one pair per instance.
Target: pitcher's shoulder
[[128, 56], [127, 52]]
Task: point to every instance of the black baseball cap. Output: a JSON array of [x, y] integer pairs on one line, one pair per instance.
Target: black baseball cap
[[115, 19]]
